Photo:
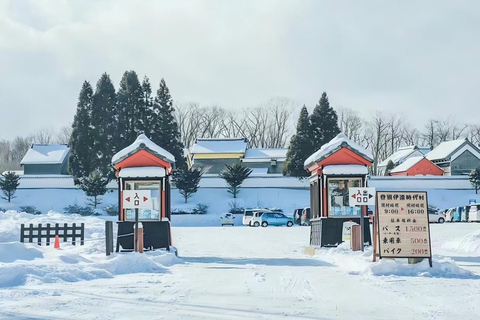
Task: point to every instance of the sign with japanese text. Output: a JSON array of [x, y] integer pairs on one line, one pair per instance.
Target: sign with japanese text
[[137, 199], [403, 230], [361, 196]]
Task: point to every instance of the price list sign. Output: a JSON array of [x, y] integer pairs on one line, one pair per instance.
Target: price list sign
[[403, 230]]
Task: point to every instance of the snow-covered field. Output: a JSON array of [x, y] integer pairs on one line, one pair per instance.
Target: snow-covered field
[[233, 273]]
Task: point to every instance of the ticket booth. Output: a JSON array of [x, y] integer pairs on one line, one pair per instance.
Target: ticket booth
[[143, 171], [338, 165]]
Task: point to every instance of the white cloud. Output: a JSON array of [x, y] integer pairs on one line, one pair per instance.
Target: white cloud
[[417, 57]]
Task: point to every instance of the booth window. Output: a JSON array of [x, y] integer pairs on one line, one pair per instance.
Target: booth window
[[155, 191], [338, 198]]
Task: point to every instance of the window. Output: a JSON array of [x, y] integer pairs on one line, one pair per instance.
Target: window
[[338, 197], [145, 214]]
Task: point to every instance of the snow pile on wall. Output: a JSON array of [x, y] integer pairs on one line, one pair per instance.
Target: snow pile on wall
[[28, 263], [468, 244], [360, 263]]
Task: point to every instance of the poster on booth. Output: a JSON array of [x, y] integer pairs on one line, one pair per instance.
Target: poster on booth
[[403, 229], [137, 199]]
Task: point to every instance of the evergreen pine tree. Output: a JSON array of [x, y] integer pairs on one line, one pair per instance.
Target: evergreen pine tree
[[94, 186], [9, 183], [146, 114], [300, 147], [474, 178], [81, 139], [324, 122], [187, 181], [103, 125], [164, 129], [129, 104], [234, 175], [390, 166]]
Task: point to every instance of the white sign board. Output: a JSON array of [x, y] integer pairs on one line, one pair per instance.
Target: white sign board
[[137, 199], [361, 196], [403, 230]]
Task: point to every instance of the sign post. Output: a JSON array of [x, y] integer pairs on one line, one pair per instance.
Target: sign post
[[362, 197], [137, 199], [403, 228]]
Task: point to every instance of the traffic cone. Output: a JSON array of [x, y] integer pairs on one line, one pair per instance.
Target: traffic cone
[[56, 245]]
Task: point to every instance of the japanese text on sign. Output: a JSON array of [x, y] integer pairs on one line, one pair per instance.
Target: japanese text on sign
[[403, 228], [136, 199]]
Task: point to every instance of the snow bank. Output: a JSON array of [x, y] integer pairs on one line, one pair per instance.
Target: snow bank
[[360, 263], [468, 244], [28, 263]]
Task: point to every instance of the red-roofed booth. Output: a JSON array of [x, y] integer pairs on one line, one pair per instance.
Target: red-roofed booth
[[338, 165], [143, 170]]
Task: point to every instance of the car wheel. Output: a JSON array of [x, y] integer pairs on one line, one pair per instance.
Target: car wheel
[[289, 223], [264, 224], [441, 220], [256, 224]]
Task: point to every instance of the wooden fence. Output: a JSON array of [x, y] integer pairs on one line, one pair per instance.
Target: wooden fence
[[48, 232]]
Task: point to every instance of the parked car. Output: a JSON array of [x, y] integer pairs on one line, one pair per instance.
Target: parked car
[[297, 216], [227, 219], [257, 218], [434, 215], [474, 214], [276, 219], [465, 215], [305, 221], [449, 214], [248, 215]]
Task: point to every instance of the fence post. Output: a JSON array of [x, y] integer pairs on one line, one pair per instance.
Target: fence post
[[108, 237], [48, 234], [22, 232], [82, 234], [39, 234], [65, 239], [74, 233], [30, 236]]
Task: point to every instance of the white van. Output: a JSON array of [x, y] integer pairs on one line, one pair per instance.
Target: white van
[[248, 215], [473, 214]]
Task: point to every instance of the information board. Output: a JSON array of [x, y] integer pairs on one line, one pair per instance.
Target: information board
[[136, 199], [403, 229]]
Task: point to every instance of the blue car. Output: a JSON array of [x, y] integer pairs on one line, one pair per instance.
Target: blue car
[[276, 219]]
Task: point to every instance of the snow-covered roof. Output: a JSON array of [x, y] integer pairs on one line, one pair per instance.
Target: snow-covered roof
[[445, 149], [340, 141], [264, 155], [345, 169], [399, 156], [45, 154], [144, 143], [407, 164], [142, 172], [221, 145]]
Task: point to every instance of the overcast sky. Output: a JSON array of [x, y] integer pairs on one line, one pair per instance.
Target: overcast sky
[[421, 58]]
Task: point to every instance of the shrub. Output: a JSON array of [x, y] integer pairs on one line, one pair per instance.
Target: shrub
[[181, 211], [234, 208], [30, 209], [83, 211], [200, 208], [111, 210]]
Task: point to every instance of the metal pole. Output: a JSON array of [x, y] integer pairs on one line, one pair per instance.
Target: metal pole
[[136, 230], [362, 226]]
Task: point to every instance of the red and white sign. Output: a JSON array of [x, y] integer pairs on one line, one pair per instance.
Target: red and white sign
[[137, 199], [362, 196]]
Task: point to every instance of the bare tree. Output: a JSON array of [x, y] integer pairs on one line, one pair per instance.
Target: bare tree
[[376, 134], [63, 135], [429, 135], [350, 123], [410, 135], [474, 134], [43, 136]]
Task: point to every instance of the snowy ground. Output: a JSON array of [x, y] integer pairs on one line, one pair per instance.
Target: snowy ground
[[233, 273]]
